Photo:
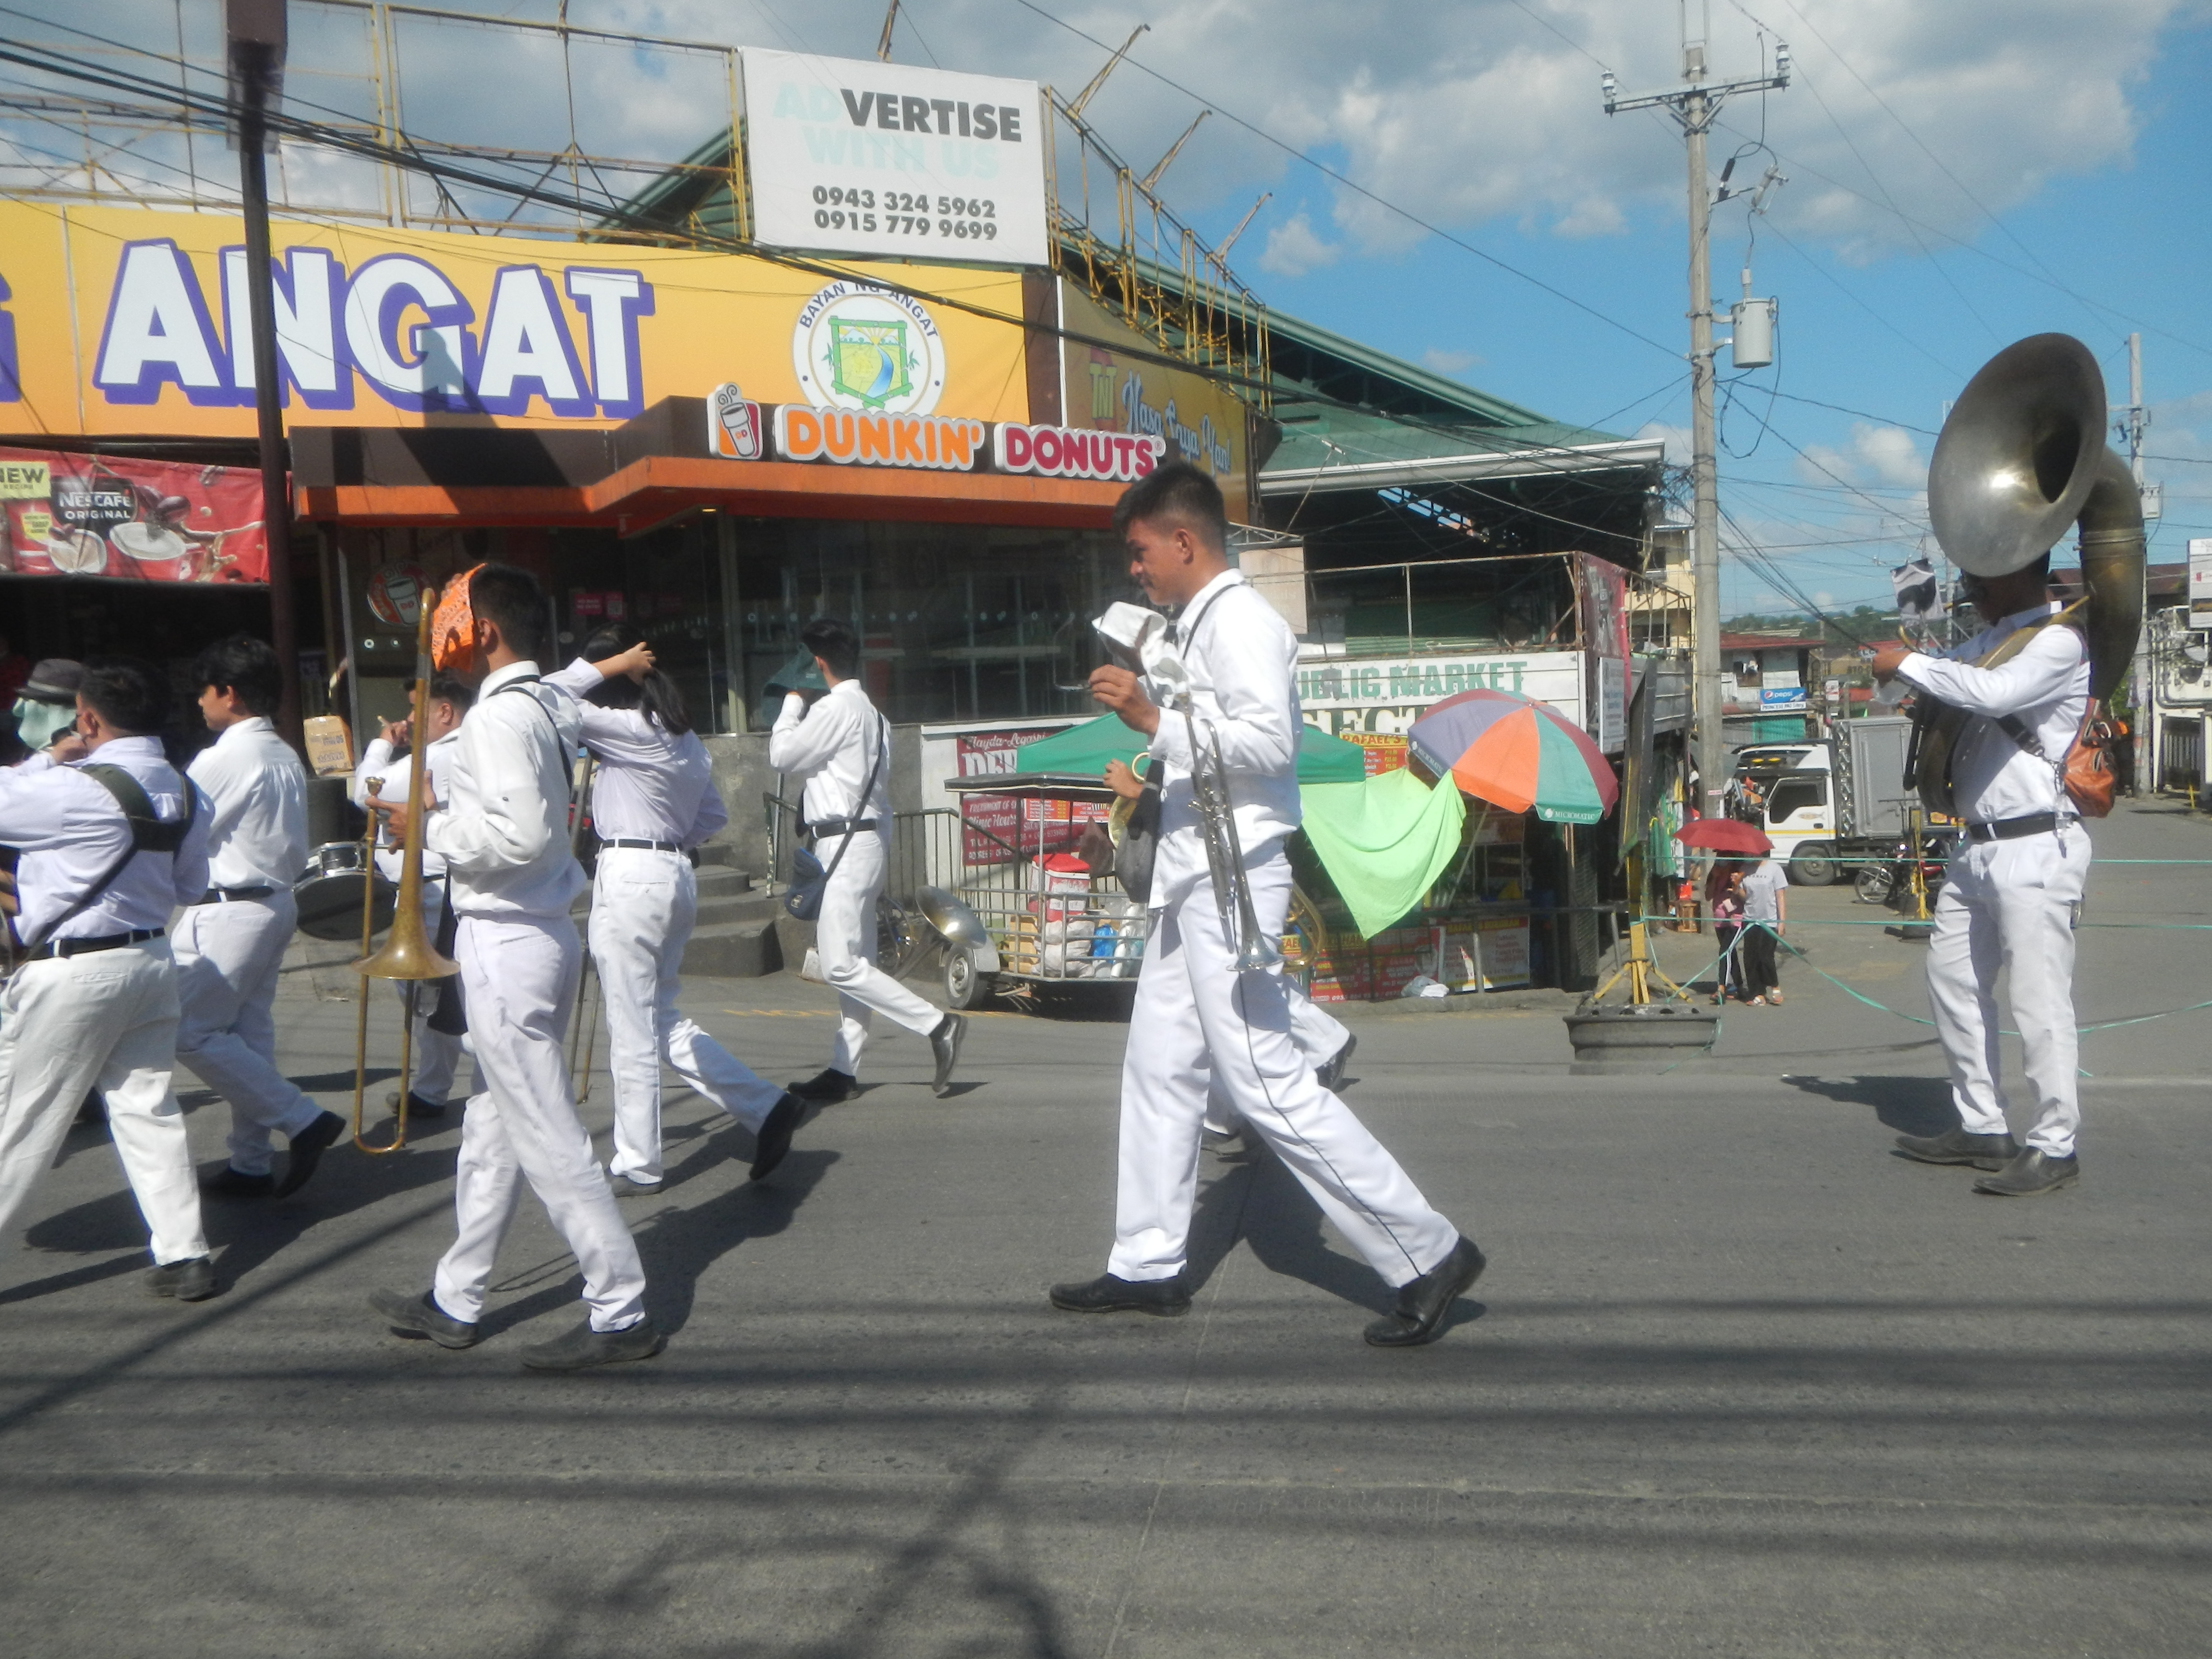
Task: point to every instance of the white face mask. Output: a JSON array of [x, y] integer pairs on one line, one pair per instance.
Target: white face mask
[[39, 723]]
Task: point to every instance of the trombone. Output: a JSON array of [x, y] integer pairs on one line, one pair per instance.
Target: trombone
[[408, 955]]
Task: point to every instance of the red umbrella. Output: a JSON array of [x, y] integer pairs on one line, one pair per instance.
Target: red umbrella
[[1725, 835]]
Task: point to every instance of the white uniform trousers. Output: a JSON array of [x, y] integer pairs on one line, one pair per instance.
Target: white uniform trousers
[[845, 941], [1196, 1023], [107, 1019], [228, 955], [2011, 904], [1320, 1037], [519, 976], [643, 905], [437, 1056]]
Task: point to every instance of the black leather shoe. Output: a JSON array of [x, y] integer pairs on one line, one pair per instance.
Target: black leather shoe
[[307, 1148], [827, 1088], [191, 1280], [774, 1138], [584, 1347], [2030, 1175], [227, 1182], [944, 1042], [1423, 1303], [417, 1316], [416, 1105], [1957, 1146], [1331, 1075], [1111, 1293]]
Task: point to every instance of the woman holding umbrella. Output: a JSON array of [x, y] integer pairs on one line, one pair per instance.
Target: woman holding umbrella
[[1724, 903], [1729, 896]]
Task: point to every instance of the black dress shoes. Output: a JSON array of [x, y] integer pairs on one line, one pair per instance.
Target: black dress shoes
[[1422, 1304], [1957, 1146], [2030, 1175], [307, 1148], [944, 1042], [416, 1105], [227, 1182], [773, 1140], [827, 1088], [191, 1280], [584, 1347], [1111, 1293], [419, 1316], [1331, 1075]]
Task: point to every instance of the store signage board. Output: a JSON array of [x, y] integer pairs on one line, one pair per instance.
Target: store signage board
[[127, 321], [1387, 693], [133, 521], [1782, 699], [2200, 582], [849, 155]]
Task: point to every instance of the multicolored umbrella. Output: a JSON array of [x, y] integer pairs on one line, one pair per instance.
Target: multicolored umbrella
[[1517, 754]]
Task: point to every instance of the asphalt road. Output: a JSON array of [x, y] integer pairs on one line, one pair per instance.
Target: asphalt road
[[1738, 1382]]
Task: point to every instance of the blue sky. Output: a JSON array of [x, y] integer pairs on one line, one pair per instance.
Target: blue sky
[[1956, 168]]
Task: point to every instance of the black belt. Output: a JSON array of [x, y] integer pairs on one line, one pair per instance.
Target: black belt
[[691, 852], [79, 947], [842, 827], [2037, 823], [225, 894]]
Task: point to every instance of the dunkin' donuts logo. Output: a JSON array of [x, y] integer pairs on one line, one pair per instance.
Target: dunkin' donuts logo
[[1055, 452]]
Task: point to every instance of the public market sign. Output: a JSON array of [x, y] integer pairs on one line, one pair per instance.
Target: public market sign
[[1388, 694], [856, 156], [128, 321]]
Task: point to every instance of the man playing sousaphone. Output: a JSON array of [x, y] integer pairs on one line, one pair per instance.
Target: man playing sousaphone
[[2019, 460]]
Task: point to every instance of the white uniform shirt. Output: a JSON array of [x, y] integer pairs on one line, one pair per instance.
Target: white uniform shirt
[[398, 778], [1762, 890], [257, 797], [649, 786], [504, 828], [70, 829], [2047, 686], [831, 748], [1242, 661]]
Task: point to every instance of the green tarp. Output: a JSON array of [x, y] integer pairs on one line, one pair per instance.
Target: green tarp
[[1385, 841], [1084, 750]]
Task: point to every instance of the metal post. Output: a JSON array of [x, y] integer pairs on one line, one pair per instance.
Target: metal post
[[1705, 547], [256, 29], [2145, 722]]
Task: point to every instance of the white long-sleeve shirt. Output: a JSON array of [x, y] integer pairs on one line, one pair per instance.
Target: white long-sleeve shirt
[[70, 829], [649, 786], [398, 777], [257, 797], [504, 829], [830, 748], [2047, 686], [1242, 659]]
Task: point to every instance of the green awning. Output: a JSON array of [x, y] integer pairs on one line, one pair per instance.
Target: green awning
[[1082, 751]]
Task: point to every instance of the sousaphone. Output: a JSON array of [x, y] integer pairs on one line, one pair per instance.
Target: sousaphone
[[2023, 459]]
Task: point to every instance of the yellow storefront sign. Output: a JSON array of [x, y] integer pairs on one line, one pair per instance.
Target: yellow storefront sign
[[125, 320]]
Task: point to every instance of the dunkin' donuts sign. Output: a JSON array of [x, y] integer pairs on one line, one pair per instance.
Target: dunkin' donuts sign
[[1055, 452]]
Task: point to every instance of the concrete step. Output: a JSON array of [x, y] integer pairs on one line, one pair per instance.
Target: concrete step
[[737, 907], [734, 949]]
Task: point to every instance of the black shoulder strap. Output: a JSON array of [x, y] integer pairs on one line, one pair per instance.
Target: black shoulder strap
[[568, 760], [148, 833]]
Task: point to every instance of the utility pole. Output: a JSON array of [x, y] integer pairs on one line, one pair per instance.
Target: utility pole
[[256, 33], [2134, 424], [1695, 106]]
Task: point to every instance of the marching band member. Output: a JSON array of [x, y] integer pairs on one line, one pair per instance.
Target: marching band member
[[230, 940], [654, 802], [437, 1054], [503, 834], [840, 748], [1195, 1018], [2012, 888], [113, 839]]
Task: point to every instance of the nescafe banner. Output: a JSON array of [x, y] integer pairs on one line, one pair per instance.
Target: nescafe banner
[[156, 521]]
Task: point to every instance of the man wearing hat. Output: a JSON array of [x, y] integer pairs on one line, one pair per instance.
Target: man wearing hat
[[46, 703]]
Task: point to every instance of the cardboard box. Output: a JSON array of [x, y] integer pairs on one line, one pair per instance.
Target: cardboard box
[[330, 746]]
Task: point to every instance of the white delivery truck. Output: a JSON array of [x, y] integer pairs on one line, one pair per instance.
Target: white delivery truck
[[1842, 800]]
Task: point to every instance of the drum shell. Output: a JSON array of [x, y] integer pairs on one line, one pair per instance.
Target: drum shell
[[329, 896]]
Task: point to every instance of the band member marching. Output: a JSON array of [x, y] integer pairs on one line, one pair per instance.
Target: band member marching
[[1198, 1017], [230, 940], [503, 834], [840, 748], [113, 839], [653, 803], [437, 1054]]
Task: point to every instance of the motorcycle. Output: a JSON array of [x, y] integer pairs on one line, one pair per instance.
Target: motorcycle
[[1885, 881]]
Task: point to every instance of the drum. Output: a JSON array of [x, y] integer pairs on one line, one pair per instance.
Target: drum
[[330, 894]]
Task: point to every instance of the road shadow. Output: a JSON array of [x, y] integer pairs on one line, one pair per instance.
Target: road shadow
[[678, 1244], [1910, 1105]]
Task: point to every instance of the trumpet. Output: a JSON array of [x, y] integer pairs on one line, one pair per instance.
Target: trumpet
[[408, 954], [1224, 851]]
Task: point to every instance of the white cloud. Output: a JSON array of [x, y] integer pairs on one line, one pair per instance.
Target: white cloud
[[1439, 361], [1883, 455], [1677, 439], [1293, 249]]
